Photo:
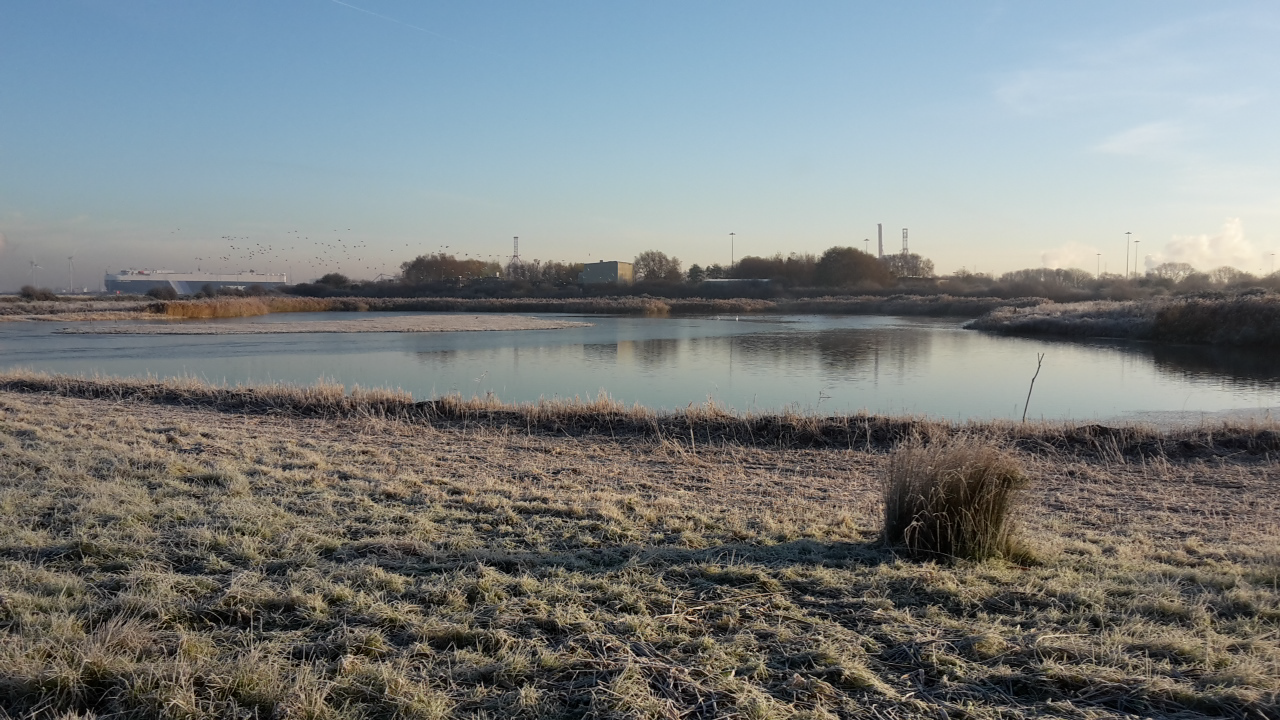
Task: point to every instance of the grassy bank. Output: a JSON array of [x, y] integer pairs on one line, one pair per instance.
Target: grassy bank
[[1245, 319], [923, 305], [180, 550], [13, 307], [232, 307]]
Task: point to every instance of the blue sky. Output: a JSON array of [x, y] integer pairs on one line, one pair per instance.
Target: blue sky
[[1003, 135]]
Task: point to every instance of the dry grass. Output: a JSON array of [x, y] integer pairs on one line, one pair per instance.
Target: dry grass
[[1250, 318], [927, 305], [233, 307], [952, 499], [178, 550]]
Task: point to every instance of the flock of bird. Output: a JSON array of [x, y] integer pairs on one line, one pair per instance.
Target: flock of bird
[[316, 256]]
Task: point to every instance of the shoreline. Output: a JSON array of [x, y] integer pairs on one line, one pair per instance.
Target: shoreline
[[1211, 434], [399, 324]]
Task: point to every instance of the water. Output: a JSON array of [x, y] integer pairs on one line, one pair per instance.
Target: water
[[807, 363]]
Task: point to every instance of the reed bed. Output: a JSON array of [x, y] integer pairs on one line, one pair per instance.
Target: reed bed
[[1132, 319], [1250, 318], [187, 552], [233, 307]]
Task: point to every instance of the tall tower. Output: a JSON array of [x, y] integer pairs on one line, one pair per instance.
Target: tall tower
[[515, 251], [880, 238], [904, 241]]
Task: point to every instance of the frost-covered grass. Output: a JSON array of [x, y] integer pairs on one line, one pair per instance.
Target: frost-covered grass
[[1248, 318], [187, 551]]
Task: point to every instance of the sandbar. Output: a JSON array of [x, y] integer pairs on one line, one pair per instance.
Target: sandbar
[[398, 324]]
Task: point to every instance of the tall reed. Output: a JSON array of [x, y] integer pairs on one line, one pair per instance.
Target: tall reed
[[233, 307]]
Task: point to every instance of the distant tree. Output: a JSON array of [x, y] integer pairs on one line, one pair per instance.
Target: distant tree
[[1175, 271], [716, 272], [751, 267], [559, 273], [1050, 277], [163, 292], [799, 269], [1195, 281], [1227, 275], [845, 266], [334, 280], [31, 292], [696, 274], [526, 270], [908, 265], [655, 265], [439, 266]]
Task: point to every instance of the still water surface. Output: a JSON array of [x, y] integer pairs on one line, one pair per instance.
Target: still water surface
[[826, 364]]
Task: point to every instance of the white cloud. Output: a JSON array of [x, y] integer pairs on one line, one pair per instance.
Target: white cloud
[[1156, 139], [1071, 255], [1205, 252]]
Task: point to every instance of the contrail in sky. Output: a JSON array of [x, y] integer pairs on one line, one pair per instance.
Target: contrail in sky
[[398, 22]]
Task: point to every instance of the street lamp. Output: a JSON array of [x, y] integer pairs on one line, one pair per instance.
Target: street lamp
[[1126, 255], [1098, 273], [731, 249]]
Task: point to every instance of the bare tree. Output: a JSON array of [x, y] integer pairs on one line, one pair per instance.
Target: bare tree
[[1175, 271], [655, 265]]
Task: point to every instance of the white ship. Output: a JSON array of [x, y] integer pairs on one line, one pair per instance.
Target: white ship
[[138, 282]]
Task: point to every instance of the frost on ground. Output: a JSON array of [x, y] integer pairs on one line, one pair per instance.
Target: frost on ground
[[179, 553], [404, 324]]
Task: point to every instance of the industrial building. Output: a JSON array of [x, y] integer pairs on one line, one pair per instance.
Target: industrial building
[[612, 272], [138, 282]]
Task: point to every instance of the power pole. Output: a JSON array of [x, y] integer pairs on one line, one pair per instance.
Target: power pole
[[515, 251], [904, 242]]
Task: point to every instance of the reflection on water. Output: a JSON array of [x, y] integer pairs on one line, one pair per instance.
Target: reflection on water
[[828, 364], [1245, 369]]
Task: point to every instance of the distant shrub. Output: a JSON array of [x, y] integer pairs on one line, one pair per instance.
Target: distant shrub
[[951, 499], [30, 292], [164, 292]]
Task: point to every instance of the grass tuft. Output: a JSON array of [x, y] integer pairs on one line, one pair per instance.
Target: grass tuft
[[951, 499]]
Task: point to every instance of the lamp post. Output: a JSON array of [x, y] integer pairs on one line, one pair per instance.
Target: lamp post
[[731, 250], [1126, 255], [1098, 273]]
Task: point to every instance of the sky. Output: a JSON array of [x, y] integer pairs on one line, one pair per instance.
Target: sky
[[314, 136]]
